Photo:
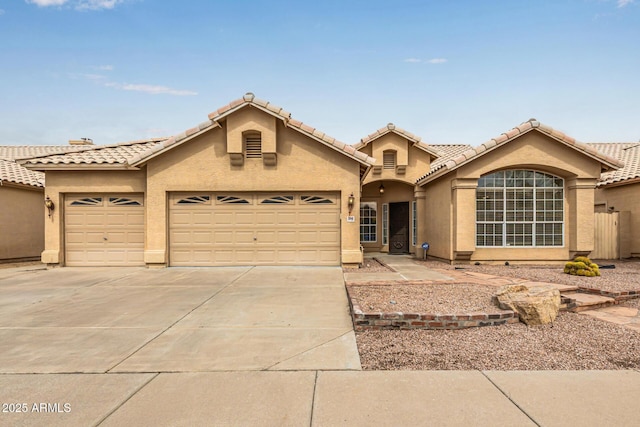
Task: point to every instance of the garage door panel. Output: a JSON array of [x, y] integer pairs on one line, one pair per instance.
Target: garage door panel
[[201, 218], [244, 218], [288, 230], [222, 237], [104, 234]]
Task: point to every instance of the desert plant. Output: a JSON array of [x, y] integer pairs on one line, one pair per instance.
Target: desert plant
[[582, 266]]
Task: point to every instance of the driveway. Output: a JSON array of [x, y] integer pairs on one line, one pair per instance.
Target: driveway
[[97, 320]]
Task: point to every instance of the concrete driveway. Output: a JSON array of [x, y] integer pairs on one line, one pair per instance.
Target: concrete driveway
[[97, 320]]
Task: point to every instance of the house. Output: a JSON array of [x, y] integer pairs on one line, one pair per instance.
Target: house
[[21, 203], [251, 185]]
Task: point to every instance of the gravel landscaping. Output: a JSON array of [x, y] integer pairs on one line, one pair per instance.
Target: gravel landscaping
[[437, 298], [572, 342], [369, 265], [624, 277]]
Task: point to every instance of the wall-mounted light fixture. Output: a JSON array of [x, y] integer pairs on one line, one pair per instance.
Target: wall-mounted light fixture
[[381, 189], [48, 203], [350, 202]]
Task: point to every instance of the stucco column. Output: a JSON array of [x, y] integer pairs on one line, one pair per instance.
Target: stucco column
[[155, 250], [464, 217], [351, 253], [421, 219], [580, 220], [53, 228]]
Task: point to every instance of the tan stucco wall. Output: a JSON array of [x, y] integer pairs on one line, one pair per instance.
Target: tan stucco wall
[[251, 119], [21, 222], [531, 151], [60, 183], [438, 218], [203, 164], [624, 198], [417, 161]]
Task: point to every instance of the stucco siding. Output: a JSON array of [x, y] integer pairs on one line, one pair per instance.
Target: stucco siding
[[203, 164], [22, 215], [438, 218], [60, 183]]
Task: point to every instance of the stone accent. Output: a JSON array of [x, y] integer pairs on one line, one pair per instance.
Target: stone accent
[[535, 305]]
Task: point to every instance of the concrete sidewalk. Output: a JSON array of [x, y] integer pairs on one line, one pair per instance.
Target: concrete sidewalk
[[324, 398]]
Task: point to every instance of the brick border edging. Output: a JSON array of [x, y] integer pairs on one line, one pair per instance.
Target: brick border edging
[[619, 296], [397, 320]]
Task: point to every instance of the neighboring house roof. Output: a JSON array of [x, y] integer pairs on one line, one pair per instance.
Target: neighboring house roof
[[626, 152], [14, 173], [506, 137], [391, 128], [103, 156], [249, 99]]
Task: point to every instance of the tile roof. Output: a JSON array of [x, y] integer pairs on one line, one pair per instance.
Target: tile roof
[[106, 155], [447, 152], [626, 152], [504, 138], [12, 172], [391, 128], [249, 99]]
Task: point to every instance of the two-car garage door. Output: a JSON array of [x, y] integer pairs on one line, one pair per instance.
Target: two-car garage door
[[288, 228]]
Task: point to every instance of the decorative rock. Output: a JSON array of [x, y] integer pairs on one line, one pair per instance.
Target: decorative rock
[[535, 305]]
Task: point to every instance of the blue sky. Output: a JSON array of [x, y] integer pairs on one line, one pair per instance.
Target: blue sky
[[448, 71]]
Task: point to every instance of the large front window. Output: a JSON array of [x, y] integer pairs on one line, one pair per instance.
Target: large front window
[[520, 208], [368, 223]]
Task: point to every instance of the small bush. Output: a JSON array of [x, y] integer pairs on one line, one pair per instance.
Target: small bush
[[582, 266]]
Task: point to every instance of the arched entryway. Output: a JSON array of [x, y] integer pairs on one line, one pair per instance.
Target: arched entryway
[[388, 218]]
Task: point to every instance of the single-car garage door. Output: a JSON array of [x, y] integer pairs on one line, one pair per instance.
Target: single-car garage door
[[104, 230], [254, 229]]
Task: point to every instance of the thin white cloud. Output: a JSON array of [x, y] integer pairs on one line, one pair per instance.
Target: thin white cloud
[[426, 61], [437, 61], [79, 4], [150, 89], [97, 4], [623, 3], [103, 67], [45, 3], [413, 60]]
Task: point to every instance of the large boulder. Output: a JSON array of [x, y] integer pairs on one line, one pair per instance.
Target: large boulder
[[535, 305]]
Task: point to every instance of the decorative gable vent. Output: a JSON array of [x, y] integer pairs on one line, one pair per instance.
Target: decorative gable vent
[[389, 159], [253, 145]]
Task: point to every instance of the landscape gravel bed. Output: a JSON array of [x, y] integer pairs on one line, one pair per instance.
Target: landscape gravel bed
[[624, 277], [572, 342], [369, 265], [437, 298]]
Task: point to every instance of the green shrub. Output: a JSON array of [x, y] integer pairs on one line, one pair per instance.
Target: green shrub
[[582, 266]]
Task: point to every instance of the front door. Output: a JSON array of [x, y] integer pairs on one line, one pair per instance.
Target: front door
[[399, 228]]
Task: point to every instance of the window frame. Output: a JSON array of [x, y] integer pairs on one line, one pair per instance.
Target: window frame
[[520, 208], [369, 228]]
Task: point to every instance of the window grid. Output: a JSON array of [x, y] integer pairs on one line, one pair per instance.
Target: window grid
[[520, 208], [368, 222]]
